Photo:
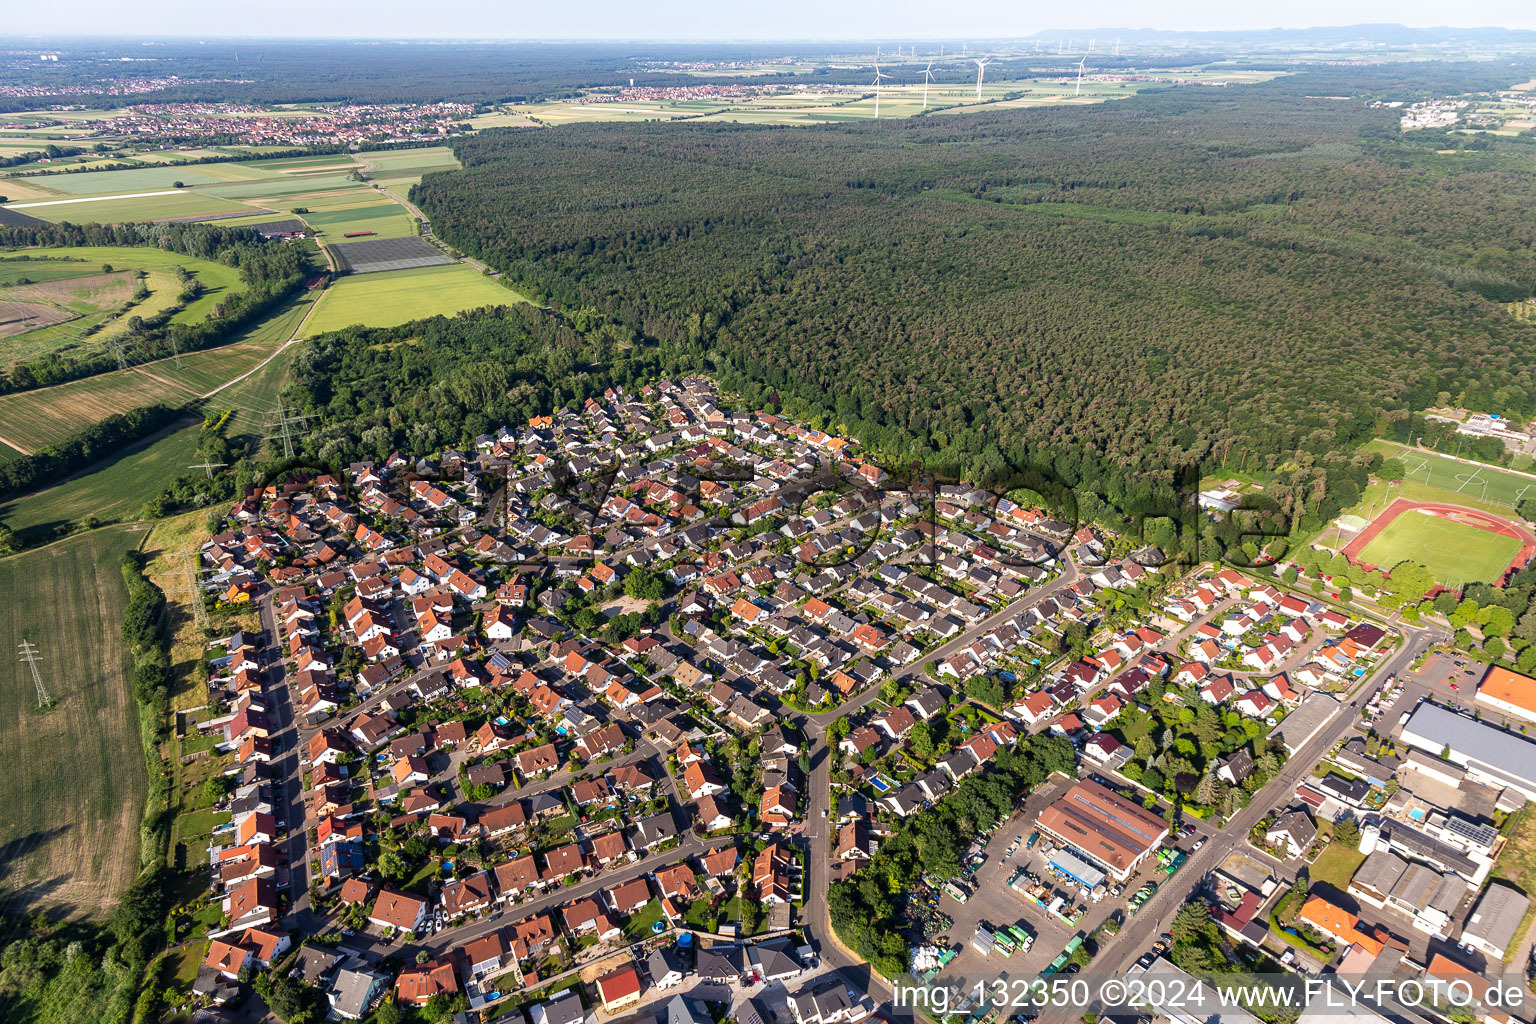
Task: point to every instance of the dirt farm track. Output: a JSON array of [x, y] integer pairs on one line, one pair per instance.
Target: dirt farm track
[[1457, 513]]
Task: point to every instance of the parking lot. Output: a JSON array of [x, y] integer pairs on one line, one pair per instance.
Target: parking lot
[[1447, 678], [993, 901]]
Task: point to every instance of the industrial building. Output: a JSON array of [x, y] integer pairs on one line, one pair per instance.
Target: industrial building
[[1100, 827], [1508, 693], [1489, 754]]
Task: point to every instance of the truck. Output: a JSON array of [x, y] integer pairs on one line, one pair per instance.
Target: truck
[[1024, 939]]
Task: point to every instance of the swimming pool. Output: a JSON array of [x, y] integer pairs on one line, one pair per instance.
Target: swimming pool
[[1417, 814], [880, 784]]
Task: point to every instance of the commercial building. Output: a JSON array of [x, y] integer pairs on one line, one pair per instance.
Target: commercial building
[[1198, 1002], [1103, 828], [1508, 693], [1491, 926], [1489, 754]]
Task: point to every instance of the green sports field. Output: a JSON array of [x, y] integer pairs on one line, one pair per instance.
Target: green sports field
[[1454, 553], [1488, 483]]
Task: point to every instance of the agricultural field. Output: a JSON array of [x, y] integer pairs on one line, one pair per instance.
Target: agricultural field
[[397, 296], [111, 491], [375, 255], [401, 169], [159, 205], [74, 789], [31, 419], [139, 179], [385, 218], [279, 185], [72, 282], [1455, 553], [20, 190], [1460, 479], [51, 316]]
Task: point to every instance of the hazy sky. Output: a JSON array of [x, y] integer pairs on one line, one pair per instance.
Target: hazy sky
[[728, 19]]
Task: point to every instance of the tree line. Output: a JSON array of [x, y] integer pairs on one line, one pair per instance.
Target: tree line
[[271, 270], [92, 443]]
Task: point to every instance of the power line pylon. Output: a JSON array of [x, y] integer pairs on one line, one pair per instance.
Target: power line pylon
[[30, 657], [279, 426]]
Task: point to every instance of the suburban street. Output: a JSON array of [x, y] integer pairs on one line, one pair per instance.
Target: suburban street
[[1138, 935]]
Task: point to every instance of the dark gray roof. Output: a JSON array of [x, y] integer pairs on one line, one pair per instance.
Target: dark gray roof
[[685, 1010], [1497, 915], [655, 829], [565, 1008], [774, 960], [721, 963], [317, 962], [663, 962]]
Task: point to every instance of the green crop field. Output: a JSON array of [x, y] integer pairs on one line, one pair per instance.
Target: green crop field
[[397, 296], [110, 491], [290, 163], [1481, 481], [13, 270], [112, 210], [65, 264], [1454, 553], [31, 419], [139, 179], [387, 219], [402, 169], [74, 789], [278, 185], [255, 396]]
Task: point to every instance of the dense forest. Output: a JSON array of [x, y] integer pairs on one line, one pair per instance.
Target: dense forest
[[460, 377], [308, 71], [1257, 277]]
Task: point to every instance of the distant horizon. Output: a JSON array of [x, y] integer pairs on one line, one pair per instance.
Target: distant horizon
[[694, 21]]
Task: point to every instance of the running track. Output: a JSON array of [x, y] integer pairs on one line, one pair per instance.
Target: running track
[[1470, 516]]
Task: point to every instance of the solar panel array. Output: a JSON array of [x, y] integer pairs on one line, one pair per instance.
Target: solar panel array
[[377, 254]]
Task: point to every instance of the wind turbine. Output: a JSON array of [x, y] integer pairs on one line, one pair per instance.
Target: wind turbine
[[878, 75], [1080, 64], [981, 67], [927, 77]]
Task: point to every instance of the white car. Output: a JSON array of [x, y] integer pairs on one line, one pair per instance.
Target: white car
[[1198, 843]]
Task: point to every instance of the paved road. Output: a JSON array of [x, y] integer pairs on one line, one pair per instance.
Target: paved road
[[1142, 930], [287, 778], [820, 829], [914, 671]]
